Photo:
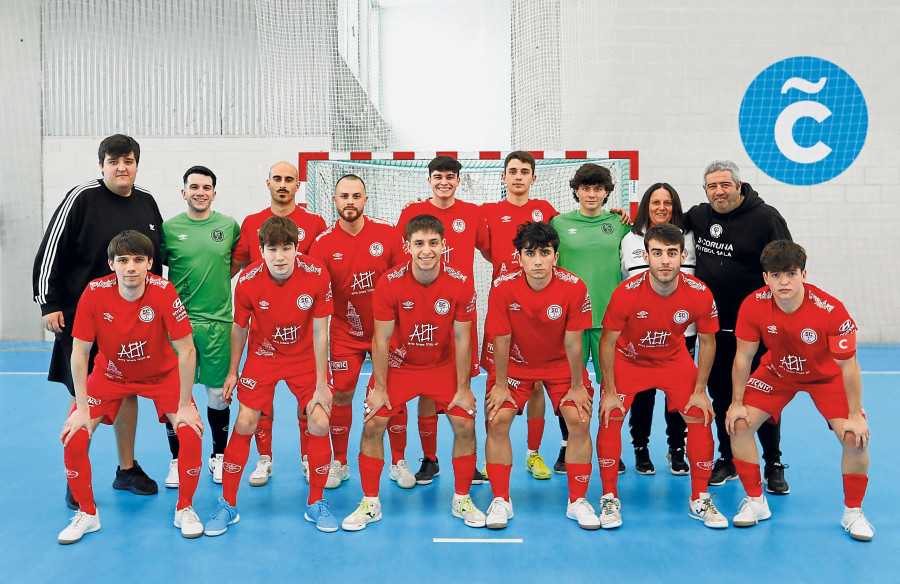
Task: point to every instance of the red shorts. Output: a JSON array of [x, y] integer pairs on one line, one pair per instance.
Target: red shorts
[[676, 378], [105, 396], [437, 383], [345, 365], [256, 385], [770, 393], [557, 382]]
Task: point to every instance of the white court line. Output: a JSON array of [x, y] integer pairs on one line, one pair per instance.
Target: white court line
[[23, 373], [473, 540]]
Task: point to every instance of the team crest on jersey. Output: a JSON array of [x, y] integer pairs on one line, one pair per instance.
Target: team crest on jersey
[[146, 314], [442, 306], [554, 311], [107, 317], [408, 305], [808, 336], [537, 215], [304, 302], [606, 228], [376, 249], [301, 235], [459, 225], [217, 235], [715, 230], [681, 316]]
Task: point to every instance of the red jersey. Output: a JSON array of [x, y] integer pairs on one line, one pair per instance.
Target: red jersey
[[355, 263], [282, 316], [803, 345], [462, 230], [132, 337], [423, 315], [537, 321], [500, 222], [652, 326], [309, 225]]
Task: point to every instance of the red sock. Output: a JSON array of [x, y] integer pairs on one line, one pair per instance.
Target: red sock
[[463, 470], [370, 474], [190, 456], [304, 436], [535, 433], [699, 450], [499, 474], [609, 451], [749, 475], [319, 463], [854, 489], [78, 471], [264, 436], [428, 435], [236, 454], [341, 419], [397, 436], [579, 478]]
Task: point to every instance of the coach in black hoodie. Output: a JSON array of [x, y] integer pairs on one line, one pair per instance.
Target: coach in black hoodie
[[731, 231]]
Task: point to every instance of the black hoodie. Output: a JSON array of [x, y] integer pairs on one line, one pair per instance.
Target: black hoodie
[[728, 248]]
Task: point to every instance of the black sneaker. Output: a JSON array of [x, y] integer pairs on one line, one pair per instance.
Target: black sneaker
[[774, 479], [642, 463], [677, 464], [621, 466], [427, 472], [477, 478], [560, 466], [723, 470], [71, 503], [135, 480]]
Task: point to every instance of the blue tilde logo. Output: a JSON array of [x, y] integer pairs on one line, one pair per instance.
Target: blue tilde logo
[[803, 121]]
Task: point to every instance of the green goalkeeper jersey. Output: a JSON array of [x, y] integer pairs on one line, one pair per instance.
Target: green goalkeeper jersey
[[198, 254], [589, 248]]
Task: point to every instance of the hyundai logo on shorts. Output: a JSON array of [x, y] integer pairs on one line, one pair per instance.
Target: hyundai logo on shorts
[[803, 121]]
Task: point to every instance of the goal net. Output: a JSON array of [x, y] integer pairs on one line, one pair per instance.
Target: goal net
[[394, 178]]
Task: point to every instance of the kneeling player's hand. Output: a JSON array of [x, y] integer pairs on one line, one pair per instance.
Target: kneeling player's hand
[[735, 412], [856, 424], [608, 403], [78, 419], [189, 416], [498, 396]]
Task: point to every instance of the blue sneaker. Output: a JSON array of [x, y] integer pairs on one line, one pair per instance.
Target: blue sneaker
[[320, 514], [224, 516]]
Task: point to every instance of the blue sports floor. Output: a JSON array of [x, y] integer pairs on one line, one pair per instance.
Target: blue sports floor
[[659, 542]]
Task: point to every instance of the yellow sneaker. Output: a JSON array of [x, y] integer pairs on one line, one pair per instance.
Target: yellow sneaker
[[537, 467], [484, 474]]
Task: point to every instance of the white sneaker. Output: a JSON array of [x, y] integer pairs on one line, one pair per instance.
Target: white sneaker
[[215, 464], [80, 524], [305, 464], [464, 508], [499, 512], [263, 471], [187, 520], [401, 474], [855, 522], [703, 509], [337, 474], [752, 511], [172, 477], [582, 512], [610, 511], [369, 511]]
